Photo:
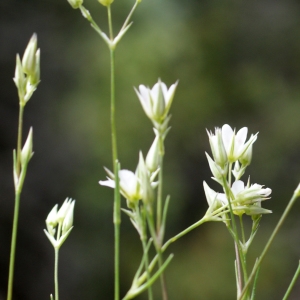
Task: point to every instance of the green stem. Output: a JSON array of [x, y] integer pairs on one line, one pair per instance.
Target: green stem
[[56, 250], [296, 275], [145, 250], [159, 201], [13, 247], [130, 15], [265, 250], [239, 253], [242, 228], [117, 204], [18, 190]]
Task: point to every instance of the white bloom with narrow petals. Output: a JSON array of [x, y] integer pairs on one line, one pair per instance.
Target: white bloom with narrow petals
[[234, 143], [247, 199], [129, 185], [157, 101]]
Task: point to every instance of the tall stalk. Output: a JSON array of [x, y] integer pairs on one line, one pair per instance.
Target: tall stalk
[[117, 205]]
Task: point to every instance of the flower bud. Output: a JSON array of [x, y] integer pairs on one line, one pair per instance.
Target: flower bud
[[106, 2], [215, 169], [20, 79], [143, 174], [246, 157], [29, 59], [35, 77], [217, 148], [68, 221], [63, 210], [51, 220], [26, 152], [75, 3], [152, 158]]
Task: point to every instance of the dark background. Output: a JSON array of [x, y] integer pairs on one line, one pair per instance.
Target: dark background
[[238, 62]]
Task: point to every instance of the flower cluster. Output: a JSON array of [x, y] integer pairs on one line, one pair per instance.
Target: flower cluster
[[227, 148], [139, 185]]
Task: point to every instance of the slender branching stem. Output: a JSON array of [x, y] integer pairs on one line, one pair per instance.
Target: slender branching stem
[[130, 14], [267, 246]]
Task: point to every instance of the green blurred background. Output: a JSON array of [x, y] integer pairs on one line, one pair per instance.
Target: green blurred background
[[238, 62]]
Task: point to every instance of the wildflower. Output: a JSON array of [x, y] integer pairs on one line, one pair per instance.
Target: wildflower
[[234, 144], [157, 101], [61, 220], [129, 184], [247, 199], [249, 194]]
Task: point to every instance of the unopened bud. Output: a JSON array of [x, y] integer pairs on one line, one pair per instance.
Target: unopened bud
[[75, 3], [26, 152], [51, 220], [63, 210], [29, 59], [106, 2], [20, 79], [35, 77], [68, 221], [152, 158]]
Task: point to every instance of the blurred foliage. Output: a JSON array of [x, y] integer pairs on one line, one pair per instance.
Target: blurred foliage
[[237, 62]]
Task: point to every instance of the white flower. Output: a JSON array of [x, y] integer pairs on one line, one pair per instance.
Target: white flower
[[129, 184], [234, 144], [157, 101], [249, 194], [247, 198], [61, 220], [217, 147]]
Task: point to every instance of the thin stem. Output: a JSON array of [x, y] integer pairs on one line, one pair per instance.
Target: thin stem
[[13, 247], [295, 277], [111, 34], [56, 250], [238, 250], [117, 200], [159, 224], [265, 250], [242, 228], [18, 190], [142, 221], [130, 15], [145, 250], [182, 233], [159, 200]]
